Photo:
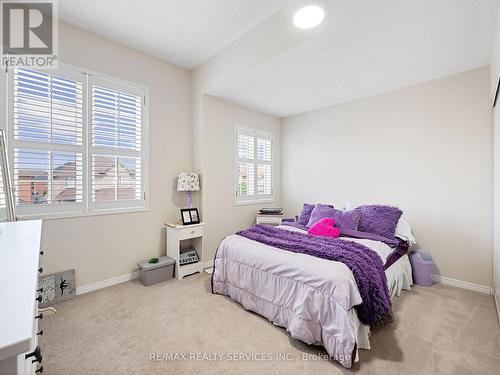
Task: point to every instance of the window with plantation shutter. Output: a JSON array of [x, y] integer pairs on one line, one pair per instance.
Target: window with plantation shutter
[[47, 119], [254, 166], [116, 163], [79, 142]]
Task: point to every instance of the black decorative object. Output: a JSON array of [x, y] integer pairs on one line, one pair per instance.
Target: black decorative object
[[496, 93], [190, 216]]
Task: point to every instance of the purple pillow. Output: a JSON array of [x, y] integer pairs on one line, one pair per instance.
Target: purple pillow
[[305, 214], [377, 219], [347, 219], [343, 220]]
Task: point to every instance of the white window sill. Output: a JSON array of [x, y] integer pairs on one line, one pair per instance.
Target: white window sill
[[67, 215], [253, 201]]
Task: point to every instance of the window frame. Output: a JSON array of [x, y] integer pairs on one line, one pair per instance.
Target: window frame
[[255, 198], [87, 207]]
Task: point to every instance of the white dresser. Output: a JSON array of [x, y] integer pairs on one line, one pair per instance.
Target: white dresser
[[19, 257]]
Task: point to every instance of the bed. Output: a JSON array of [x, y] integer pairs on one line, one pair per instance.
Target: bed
[[314, 299]]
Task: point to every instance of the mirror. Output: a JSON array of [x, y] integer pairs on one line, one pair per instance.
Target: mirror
[[7, 207]]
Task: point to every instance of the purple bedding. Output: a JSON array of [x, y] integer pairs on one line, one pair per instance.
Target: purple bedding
[[343, 219], [364, 263], [379, 219], [399, 246]]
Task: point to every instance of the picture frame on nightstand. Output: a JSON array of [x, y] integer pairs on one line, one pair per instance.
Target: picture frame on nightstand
[[190, 216]]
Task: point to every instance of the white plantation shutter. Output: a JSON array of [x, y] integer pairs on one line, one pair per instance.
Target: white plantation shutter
[[117, 144], [116, 119], [253, 170], [79, 142], [264, 181], [47, 108], [47, 119]]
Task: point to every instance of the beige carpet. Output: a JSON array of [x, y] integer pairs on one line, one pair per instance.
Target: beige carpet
[[439, 330]]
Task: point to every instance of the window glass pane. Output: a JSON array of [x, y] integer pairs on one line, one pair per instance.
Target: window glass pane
[[32, 169], [245, 179], [31, 176], [67, 173], [264, 186], [246, 147], [47, 108], [264, 149], [103, 178], [116, 178], [116, 119], [129, 178]]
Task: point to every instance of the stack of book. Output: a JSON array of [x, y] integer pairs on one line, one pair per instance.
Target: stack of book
[[270, 211]]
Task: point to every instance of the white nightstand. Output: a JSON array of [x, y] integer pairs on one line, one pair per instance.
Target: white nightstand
[[180, 237], [268, 219]]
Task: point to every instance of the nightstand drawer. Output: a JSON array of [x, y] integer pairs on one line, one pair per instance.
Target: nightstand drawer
[[190, 232], [269, 219]]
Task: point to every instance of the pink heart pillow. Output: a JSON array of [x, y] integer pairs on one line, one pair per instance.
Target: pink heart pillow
[[324, 228]]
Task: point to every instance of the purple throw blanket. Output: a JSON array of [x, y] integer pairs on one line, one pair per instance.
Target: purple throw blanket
[[400, 247], [364, 263]]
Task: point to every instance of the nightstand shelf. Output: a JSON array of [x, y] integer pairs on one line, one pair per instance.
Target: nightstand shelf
[[181, 237]]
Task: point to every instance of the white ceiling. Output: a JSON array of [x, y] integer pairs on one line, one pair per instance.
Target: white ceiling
[[363, 47], [185, 32]]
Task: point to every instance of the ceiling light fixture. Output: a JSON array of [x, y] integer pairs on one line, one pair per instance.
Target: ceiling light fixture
[[308, 17]]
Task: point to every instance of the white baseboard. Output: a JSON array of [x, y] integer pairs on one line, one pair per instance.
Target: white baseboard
[[105, 283], [462, 284], [208, 264], [120, 279]]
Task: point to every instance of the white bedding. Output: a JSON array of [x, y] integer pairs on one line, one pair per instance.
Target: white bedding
[[312, 298]]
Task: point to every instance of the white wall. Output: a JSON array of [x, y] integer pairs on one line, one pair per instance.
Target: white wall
[[495, 75], [102, 247], [219, 212], [426, 148], [213, 132], [496, 202]]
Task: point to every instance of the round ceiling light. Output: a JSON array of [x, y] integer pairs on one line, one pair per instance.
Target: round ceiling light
[[308, 17]]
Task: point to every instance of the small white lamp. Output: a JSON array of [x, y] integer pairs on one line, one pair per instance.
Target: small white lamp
[[188, 181]]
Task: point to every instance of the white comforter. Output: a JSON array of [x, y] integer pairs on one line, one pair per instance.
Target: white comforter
[[312, 298]]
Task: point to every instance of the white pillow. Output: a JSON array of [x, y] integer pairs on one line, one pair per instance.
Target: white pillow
[[403, 231]]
